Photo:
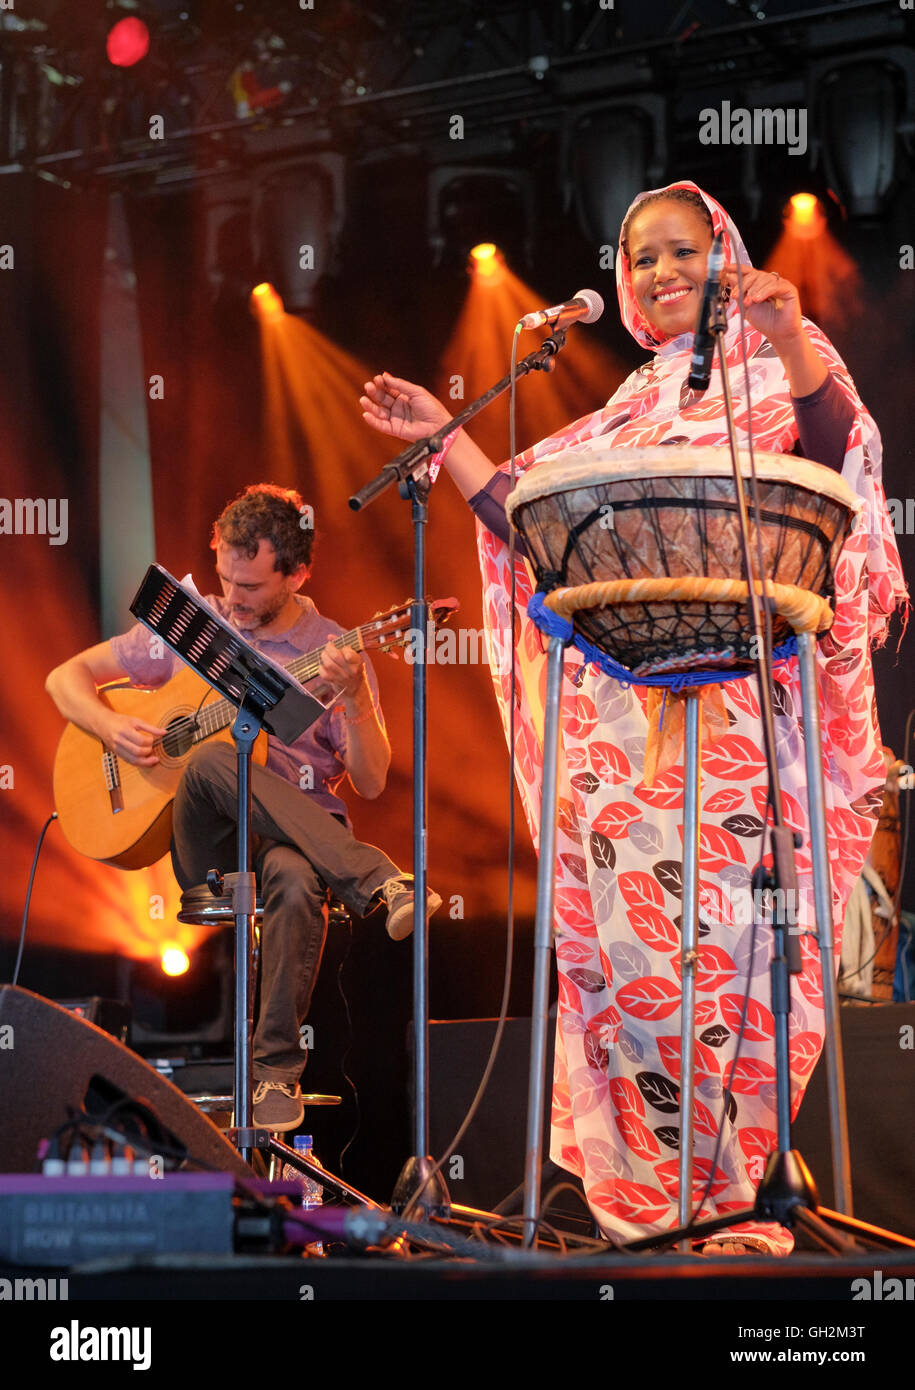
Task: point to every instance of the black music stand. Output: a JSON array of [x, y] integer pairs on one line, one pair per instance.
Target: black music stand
[[268, 698]]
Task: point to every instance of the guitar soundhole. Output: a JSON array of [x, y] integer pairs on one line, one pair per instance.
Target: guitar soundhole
[[179, 739]]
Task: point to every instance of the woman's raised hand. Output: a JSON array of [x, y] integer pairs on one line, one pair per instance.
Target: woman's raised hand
[[773, 307], [772, 303], [410, 412], [401, 408]]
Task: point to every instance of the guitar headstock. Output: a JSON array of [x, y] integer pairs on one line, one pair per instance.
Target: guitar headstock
[[392, 629]]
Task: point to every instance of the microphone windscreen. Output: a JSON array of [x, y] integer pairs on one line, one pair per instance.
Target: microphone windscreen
[[595, 305]]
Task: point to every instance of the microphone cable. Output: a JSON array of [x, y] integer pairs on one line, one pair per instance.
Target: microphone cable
[[28, 894]]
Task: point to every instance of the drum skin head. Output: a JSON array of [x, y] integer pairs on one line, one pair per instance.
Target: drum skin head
[[595, 461]]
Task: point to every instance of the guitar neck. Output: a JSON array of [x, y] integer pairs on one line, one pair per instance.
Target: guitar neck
[[221, 713]]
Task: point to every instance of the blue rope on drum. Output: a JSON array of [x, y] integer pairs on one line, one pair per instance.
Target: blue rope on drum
[[554, 625]]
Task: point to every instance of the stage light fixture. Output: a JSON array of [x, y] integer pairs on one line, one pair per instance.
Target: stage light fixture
[[803, 205], [860, 109], [486, 261], [228, 241], [174, 960], [128, 42], [473, 205], [609, 154], [298, 221], [265, 302]]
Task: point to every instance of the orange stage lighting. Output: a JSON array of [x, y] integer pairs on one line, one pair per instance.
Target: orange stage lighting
[[265, 302], [174, 960], [78, 903], [826, 277], [316, 440], [486, 260], [804, 216], [478, 354]]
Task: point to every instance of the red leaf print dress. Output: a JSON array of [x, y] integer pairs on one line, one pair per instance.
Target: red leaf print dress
[[619, 849]]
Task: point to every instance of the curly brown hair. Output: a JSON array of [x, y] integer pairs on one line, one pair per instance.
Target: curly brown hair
[[267, 512], [664, 195]]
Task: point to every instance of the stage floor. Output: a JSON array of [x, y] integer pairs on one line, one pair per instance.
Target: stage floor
[[516, 1275]]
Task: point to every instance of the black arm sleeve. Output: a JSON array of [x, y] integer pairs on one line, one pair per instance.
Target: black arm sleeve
[[823, 421], [488, 506]]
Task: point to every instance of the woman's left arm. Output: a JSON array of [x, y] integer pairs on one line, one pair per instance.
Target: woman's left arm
[[804, 367], [824, 415]]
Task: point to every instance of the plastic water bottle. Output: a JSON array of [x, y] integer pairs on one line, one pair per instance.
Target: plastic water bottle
[[312, 1190]]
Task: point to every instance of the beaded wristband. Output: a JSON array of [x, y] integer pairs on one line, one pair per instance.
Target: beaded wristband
[[436, 461]]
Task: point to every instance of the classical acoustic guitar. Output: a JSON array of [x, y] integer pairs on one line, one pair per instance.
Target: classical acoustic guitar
[[121, 814]]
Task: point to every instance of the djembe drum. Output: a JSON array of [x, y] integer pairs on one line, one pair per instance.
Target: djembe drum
[[671, 513], [641, 550]]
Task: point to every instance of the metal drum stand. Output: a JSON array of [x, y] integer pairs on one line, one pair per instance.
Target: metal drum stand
[[787, 1193]]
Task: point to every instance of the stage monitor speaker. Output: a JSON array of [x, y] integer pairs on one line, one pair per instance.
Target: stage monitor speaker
[[490, 1162], [877, 1043], [879, 1060], [52, 1059]]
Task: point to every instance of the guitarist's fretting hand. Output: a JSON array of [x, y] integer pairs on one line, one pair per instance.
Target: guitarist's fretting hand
[[131, 738]]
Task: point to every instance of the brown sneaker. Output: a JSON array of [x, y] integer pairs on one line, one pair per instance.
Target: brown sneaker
[[278, 1105], [398, 895]]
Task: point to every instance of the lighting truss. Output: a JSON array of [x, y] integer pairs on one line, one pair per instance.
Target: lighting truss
[[369, 80]]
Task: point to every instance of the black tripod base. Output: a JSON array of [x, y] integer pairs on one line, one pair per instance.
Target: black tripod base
[[425, 1192], [787, 1195], [265, 1142], [787, 1184]]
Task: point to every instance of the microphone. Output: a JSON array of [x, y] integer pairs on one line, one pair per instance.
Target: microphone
[[700, 366], [586, 306]]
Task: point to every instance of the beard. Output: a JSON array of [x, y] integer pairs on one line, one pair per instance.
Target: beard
[[260, 617]]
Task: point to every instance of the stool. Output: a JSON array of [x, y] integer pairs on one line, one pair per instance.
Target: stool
[[219, 1109], [206, 904]]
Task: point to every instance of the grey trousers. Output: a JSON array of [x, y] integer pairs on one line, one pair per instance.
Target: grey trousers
[[299, 850]]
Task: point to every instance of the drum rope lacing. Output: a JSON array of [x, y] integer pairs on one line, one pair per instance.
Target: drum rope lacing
[[553, 624]]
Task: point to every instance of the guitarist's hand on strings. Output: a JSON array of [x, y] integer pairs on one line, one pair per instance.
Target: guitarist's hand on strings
[[344, 669], [368, 753], [131, 738]]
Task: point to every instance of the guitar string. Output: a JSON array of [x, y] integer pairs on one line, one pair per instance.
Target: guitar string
[[202, 722]]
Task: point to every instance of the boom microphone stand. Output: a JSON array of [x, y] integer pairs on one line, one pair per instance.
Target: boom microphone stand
[[411, 471]]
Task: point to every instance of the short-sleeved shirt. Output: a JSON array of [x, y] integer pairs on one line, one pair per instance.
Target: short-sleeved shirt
[[315, 761]]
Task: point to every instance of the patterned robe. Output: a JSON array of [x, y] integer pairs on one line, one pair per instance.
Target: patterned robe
[[620, 842]]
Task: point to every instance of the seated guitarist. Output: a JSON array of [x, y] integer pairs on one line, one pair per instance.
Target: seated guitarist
[[302, 836]]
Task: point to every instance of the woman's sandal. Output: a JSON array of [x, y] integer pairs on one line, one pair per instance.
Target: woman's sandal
[[749, 1245]]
